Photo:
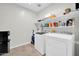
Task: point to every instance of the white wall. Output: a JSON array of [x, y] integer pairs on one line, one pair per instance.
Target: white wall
[[77, 33], [56, 8], [19, 21]]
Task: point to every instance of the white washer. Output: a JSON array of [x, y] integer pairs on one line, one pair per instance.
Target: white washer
[[59, 44]]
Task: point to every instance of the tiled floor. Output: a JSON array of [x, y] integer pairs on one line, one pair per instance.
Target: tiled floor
[[25, 50]]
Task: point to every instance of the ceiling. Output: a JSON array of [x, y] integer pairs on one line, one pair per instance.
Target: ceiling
[[36, 7]]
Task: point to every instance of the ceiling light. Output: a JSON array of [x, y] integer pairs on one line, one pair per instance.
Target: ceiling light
[[39, 5]]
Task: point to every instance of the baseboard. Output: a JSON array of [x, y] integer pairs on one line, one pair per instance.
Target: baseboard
[[19, 45]]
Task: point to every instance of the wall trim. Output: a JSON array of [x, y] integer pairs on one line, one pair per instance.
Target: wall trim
[[20, 45]]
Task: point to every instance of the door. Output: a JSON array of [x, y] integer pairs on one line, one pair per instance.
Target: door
[[55, 48]]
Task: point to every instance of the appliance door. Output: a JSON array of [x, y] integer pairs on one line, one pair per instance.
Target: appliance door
[[55, 47], [39, 43]]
